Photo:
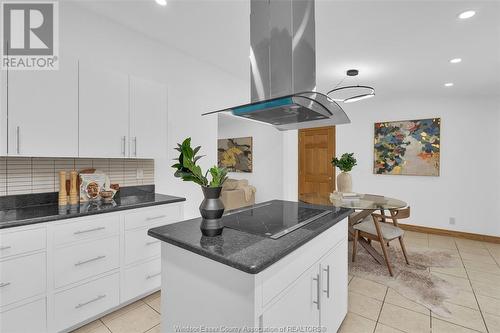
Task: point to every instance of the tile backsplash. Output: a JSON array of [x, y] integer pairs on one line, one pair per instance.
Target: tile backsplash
[[24, 175]]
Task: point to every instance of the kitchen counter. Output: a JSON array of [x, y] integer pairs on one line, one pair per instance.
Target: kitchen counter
[[247, 252], [252, 279], [37, 208]]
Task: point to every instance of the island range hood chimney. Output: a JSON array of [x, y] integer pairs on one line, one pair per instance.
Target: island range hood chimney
[[283, 69]]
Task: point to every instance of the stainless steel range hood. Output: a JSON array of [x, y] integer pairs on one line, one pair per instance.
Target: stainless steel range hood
[[283, 69]]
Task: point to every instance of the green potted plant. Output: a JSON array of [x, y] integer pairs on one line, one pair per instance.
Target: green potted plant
[[211, 208], [345, 163]]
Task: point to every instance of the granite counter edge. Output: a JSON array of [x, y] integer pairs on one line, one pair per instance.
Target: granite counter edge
[[249, 269], [37, 220]]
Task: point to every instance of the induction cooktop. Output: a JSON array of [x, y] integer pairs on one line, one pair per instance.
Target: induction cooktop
[[274, 219]]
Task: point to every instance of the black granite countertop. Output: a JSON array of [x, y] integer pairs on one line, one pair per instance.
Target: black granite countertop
[[37, 208], [247, 252]]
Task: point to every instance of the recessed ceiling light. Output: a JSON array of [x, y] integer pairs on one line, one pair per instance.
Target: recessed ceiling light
[[161, 2], [467, 14], [456, 60], [448, 84]]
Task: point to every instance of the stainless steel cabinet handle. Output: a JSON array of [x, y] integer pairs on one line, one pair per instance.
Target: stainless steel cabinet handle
[[89, 260], [18, 148], [153, 242], [155, 217], [123, 145], [5, 248], [317, 291], [327, 291], [88, 230], [152, 276], [91, 301], [5, 284], [135, 146]]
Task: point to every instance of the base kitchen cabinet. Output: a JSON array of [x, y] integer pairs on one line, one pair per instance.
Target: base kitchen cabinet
[[90, 299], [299, 306], [294, 283], [63, 274], [333, 299], [31, 317]]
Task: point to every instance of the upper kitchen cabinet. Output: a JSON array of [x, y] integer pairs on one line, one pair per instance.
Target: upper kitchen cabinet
[[104, 112], [41, 112], [148, 118]]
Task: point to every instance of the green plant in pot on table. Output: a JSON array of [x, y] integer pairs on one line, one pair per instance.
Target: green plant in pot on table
[[211, 208], [345, 163]]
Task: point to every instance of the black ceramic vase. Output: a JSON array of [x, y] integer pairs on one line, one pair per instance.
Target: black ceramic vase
[[211, 210]]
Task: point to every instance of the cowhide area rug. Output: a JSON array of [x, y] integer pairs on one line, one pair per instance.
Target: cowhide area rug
[[414, 281]]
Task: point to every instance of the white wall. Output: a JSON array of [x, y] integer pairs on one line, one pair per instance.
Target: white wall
[[266, 175], [469, 185], [194, 87], [291, 162]]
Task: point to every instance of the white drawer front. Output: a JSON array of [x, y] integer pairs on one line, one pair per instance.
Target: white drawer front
[[21, 278], [88, 228], [141, 279], [77, 262], [80, 303], [145, 217], [28, 318], [18, 242], [138, 245], [280, 275]]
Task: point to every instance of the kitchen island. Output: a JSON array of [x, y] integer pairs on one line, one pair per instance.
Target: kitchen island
[[279, 266]]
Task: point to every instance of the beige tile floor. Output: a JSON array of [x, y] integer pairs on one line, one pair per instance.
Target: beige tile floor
[[374, 308], [475, 308]]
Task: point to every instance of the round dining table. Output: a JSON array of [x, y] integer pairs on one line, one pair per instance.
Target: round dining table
[[364, 205]]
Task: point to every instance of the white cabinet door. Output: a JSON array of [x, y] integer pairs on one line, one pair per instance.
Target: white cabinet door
[[27, 318], [148, 118], [104, 109], [43, 111], [334, 288], [299, 306]]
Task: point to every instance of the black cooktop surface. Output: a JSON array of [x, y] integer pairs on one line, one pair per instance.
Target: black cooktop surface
[[273, 219]]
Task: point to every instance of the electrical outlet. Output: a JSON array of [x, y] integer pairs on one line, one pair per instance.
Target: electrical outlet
[[140, 173], [452, 221]]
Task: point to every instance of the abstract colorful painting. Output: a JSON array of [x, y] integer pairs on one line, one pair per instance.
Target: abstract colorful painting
[[410, 147], [235, 154]]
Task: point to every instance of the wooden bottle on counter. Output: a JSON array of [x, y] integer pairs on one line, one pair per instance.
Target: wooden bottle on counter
[[73, 191], [63, 195]]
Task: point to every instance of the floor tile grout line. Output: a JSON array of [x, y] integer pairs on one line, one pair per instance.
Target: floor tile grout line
[[494, 259], [358, 293], [102, 322], [151, 328], [381, 308], [474, 292], [152, 308], [455, 324], [443, 319]]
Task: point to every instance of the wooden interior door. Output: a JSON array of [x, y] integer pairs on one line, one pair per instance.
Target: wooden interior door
[[316, 173]]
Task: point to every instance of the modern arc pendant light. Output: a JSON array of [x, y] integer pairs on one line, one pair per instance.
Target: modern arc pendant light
[[351, 93]]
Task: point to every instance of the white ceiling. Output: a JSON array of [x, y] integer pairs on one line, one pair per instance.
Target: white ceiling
[[400, 47]]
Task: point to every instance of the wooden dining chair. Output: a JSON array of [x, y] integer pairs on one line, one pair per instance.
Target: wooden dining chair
[[378, 229]]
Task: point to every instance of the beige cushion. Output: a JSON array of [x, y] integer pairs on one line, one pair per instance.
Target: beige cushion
[[236, 199], [230, 184], [242, 183], [234, 184], [389, 231]]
